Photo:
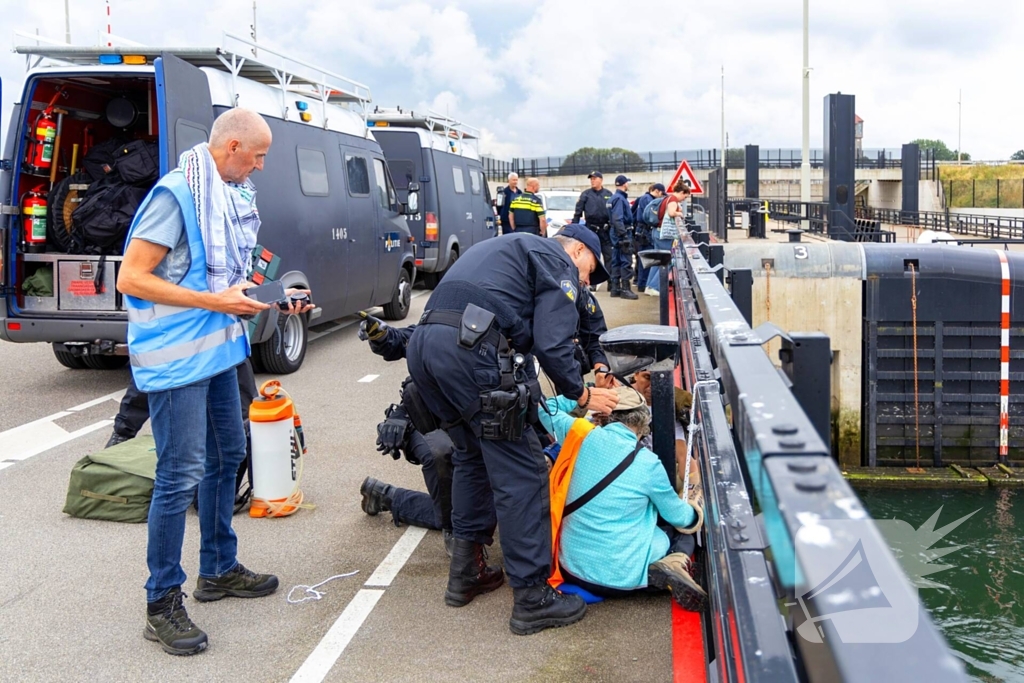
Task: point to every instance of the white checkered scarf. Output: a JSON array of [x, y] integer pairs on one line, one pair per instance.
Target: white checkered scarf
[[227, 217]]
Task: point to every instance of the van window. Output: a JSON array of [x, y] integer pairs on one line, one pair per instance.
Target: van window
[[385, 192], [187, 135], [402, 171], [358, 175], [475, 180], [312, 172], [460, 180]]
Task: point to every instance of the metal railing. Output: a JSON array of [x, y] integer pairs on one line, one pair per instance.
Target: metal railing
[[770, 619], [976, 225]]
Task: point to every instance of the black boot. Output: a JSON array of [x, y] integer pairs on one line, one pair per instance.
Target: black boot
[[469, 575], [613, 288], [539, 607], [376, 496], [627, 292], [167, 623]]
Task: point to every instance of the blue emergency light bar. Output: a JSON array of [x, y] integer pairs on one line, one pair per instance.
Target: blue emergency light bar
[[110, 59]]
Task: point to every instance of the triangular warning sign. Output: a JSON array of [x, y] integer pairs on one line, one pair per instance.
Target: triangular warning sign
[[695, 186]]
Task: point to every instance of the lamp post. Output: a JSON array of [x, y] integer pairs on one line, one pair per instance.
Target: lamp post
[[805, 144]]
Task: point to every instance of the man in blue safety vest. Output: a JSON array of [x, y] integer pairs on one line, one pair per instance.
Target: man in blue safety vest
[[183, 277]]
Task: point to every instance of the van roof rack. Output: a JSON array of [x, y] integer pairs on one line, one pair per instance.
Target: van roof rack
[[238, 56], [441, 124]]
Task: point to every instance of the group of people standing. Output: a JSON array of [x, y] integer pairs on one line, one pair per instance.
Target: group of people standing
[[623, 227]]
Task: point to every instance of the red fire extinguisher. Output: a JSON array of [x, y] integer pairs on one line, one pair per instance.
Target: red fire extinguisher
[[33, 230], [40, 146]]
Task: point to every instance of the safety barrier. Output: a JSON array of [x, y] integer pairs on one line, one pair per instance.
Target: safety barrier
[[781, 608]]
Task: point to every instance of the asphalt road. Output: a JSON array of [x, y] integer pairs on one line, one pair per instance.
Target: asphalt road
[[71, 591]]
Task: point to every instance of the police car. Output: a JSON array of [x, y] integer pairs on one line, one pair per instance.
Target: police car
[[559, 206]]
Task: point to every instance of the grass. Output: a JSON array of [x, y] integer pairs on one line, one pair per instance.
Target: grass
[[986, 187]]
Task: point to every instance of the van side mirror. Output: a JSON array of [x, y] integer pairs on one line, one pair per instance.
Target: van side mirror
[[412, 202]]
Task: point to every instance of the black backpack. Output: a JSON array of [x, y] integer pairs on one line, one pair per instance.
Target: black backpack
[[65, 197], [138, 162], [101, 222], [99, 162]]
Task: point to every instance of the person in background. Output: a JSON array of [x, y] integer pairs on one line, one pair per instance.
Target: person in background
[[505, 197], [526, 212], [666, 233], [621, 216], [642, 232], [595, 204]]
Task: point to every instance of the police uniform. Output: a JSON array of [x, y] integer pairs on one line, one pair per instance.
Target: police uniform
[[508, 196], [527, 210], [621, 217], [595, 205], [532, 288], [592, 326]]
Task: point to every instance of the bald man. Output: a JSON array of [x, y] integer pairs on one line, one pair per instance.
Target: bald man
[[183, 276]]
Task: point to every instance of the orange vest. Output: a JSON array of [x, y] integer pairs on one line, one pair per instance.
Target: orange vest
[[558, 482]]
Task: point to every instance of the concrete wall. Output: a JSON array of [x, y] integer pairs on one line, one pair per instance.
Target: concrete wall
[[885, 194]]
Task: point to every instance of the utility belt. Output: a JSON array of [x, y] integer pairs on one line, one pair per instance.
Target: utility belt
[[506, 410]]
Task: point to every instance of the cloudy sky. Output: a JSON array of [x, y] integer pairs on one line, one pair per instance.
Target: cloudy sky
[[544, 77]]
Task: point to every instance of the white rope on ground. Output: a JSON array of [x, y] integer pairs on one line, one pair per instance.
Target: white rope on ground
[[311, 591]]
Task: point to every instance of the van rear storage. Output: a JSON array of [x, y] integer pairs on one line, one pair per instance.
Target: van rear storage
[[96, 127]]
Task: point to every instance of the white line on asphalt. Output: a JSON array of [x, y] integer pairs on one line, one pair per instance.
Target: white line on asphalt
[[116, 396], [36, 437], [327, 652], [369, 378], [313, 336]]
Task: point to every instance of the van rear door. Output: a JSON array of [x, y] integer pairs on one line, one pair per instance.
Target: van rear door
[[405, 159], [184, 108]]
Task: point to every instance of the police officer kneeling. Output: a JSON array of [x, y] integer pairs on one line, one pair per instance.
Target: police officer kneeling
[[470, 357]]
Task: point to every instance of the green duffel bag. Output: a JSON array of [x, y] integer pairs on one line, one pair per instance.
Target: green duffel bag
[[115, 484]]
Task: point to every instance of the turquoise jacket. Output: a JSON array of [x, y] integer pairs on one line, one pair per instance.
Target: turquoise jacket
[[170, 346], [611, 540]]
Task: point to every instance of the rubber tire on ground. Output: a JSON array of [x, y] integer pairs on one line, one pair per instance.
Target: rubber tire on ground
[[105, 362], [272, 355], [432, 280], [398, 307], [69, 360]]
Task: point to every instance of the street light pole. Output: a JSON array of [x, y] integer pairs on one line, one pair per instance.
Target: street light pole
[[805, 143], [723, 120], [67, 23], [959, 122]]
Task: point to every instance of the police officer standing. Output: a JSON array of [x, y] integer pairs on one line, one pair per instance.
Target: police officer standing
[[526, 212], [595, 204], [471, 359], [505, 197], [622, 255]]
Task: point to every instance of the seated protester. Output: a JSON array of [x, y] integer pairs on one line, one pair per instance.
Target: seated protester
[[612, 545]]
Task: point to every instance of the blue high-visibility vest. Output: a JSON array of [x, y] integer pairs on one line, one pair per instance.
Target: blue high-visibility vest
[[171, 346]]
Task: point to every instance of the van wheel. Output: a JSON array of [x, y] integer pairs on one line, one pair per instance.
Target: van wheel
[[105, 362], [284, 352], [398, 307], [69, 360], [432, 280]]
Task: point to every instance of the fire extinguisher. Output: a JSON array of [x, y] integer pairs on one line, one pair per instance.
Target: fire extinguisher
[[33, 211], [40, 146]]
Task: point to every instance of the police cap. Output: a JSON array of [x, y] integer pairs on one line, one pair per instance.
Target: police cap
[[596, 174], [584, 234], [621, 180]]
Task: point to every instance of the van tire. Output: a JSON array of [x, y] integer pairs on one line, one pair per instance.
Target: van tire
[[432, 280], [105, 362], [69, 360], [398, 307], [284, 352]]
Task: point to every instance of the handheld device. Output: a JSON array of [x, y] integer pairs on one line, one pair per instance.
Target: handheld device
[[298, 299], [269, 293]]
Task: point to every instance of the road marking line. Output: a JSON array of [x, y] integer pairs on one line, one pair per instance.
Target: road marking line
[[369, 378], [313, 336], [388, 569], [319, 662], [116, 396], [37, 437]]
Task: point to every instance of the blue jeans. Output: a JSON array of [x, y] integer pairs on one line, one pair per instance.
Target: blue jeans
[[200, 441], [654, 274]]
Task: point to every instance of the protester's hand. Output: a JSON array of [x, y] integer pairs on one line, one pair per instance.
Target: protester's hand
[[302, 308], [602, 401], [372, 328], [393, 431], [234, 301]]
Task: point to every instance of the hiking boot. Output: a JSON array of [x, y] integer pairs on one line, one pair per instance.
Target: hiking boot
[[469, 575], [539, 607], [237, 583], [376, 496], [627, 293], [673, 572], [613, 288], [167, 623], [449, 540], [115, 439]]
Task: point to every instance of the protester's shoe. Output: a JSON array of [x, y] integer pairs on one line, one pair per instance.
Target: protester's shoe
[[539, 607], [672, 572], [627, 293], [469, 575], [652, 292], [376, 496], [449, 540], [236, 583], [115, 439], [613, 288], [167, 623]]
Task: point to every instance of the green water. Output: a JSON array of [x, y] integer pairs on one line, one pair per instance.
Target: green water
[[981, 610]]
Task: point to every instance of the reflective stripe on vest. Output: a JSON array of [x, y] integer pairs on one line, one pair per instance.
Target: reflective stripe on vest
[[173, 346]]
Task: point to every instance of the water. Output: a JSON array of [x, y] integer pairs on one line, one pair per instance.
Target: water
[[981, 610]]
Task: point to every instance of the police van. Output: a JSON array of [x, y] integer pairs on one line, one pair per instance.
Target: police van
[[440, 156], [327, 202]]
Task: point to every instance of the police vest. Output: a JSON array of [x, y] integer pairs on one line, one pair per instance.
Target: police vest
[[171, 346]]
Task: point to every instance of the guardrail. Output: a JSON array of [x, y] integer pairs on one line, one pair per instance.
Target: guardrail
[[774, 615], [978, 225]]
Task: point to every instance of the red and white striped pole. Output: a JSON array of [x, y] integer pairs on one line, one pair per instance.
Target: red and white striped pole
[[1004, 361], [109, 42]]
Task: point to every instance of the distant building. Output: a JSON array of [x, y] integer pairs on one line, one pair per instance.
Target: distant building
[[858, 136]]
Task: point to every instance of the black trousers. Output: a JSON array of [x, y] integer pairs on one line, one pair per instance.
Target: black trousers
[[134, 410], [503, 479], [607, 249], [432, 510]]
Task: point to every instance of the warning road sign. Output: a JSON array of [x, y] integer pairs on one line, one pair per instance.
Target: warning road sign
[[684, 168]]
